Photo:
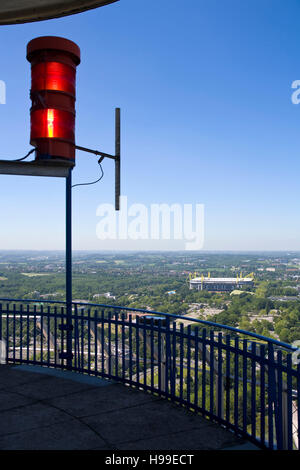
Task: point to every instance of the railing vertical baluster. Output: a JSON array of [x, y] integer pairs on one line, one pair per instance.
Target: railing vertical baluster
[[3, 343], [137, 342], [72, 323], [14, 333], [28, 334], [271, 396], [75, 329], [220, 382], [284, 415], [41, 333], [145, 351], [109, 345], [21, 334], [55, 337], [62, 317], [174, 356], [48, 335], [188, 375], [167, 355], [204, 369], [34, 333], [78, 338], [123, 345], [89, 339], [82, 330], [152, 351], [273, 392], [245, 385], [96, 340], [253, 390], [236, 383], [279, 385], [196, 359], [73, 320], [130, 347], [227, 378], [7, 330], [289, 402], [159, 355], [262, 395], [102, 344], [181, 352], [212, 371], [116, 345]]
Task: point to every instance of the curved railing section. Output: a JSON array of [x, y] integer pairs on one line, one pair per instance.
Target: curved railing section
[[248, 383]]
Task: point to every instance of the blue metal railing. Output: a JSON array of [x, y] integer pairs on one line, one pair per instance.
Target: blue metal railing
[[247, 384]]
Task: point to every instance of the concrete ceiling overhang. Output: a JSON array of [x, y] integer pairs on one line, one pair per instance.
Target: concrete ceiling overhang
[[26, 11]]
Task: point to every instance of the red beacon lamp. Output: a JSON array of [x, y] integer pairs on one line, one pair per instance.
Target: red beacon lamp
[[52, 115], [53, 95]]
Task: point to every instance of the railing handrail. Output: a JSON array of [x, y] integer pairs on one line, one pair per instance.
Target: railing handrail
[[171, 315]]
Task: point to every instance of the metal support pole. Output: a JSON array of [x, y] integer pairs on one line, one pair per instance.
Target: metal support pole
[[118, 158], [69, 326]]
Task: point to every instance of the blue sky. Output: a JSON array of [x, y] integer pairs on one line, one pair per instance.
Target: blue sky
[[207, 118]]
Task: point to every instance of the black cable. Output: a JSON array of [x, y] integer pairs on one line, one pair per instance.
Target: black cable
[[93, 182], [23, 158]]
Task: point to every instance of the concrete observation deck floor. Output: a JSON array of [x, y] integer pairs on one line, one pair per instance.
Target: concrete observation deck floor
[[48, 409]]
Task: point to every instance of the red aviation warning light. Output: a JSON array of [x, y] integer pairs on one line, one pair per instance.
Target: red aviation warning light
[[53, 94]]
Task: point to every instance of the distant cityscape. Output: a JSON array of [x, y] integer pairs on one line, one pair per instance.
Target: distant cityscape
[[259, 292]]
